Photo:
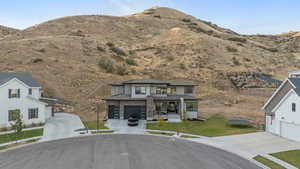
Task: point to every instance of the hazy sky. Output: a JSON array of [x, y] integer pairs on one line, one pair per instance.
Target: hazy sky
[[242, 16]]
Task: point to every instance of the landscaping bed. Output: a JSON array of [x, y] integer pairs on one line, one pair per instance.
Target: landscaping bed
[[5, 138], [291, 157], [268, 162], [92, 125], [214, 126]]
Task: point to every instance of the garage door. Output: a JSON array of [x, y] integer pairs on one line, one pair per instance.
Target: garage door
[[113, 112], [139, 111], [290, 131]]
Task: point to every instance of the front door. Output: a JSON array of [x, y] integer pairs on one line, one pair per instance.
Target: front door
[[172, 108]]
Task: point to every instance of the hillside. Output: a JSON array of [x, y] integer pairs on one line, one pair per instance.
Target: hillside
[[6, 31], [64, 55]]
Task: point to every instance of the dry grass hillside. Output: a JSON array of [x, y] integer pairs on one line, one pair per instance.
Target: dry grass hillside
[[76, 57]]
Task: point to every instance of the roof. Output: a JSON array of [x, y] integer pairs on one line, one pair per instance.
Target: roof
[[154, 81], [144, 81], [296, 83], [24, 77], [169, 97]]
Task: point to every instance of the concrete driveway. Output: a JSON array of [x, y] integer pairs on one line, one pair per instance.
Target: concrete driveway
[[121, 127], [262, 142], [121, 152], [62, 125]]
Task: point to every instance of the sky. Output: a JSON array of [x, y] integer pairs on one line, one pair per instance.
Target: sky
[[242, 16]]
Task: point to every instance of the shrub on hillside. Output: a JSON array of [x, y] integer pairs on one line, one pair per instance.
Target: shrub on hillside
[[121, 69], [118, 51], [107, 64], [237, 39], [131, 61], [231, 49]]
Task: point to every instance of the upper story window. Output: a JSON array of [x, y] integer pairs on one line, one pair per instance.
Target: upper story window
[[30, 91], [13, 93], [141, 90], [293, 107], [171, 90], [161, 90], [188, 90]]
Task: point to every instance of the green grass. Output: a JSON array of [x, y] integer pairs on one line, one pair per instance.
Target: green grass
[[25, 134], [17, 144], [3, 147], [268, 162], [214, 126], [160, 133], [291, 157], [102, 132], [186, 136], [92, 125]]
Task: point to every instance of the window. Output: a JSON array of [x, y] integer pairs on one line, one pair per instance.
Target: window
[[14, 93], [161, 90], [13, 114], [33, 113], [293, 107], [140, 90], [30, 91], [192, 106], [188, 90], [172, 90]]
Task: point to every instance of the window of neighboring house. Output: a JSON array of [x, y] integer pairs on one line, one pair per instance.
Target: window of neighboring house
[[12, 114], [192, 106], [140, 90], [33, 113], [293, 107], [30, 91], [161, 90], [13, 93], [171, 90], [188, 90]]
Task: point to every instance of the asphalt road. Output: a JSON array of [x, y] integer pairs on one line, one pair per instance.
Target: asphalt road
[[121, 152]]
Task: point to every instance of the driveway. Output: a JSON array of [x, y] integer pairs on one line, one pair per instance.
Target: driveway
[[62, 125], [121, 152], [262, 142], [121, 127]]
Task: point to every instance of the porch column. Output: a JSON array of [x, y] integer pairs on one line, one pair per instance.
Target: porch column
[[182, 108]]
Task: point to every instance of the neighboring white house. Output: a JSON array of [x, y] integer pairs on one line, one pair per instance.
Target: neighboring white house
[[283, 109], [19, 91]]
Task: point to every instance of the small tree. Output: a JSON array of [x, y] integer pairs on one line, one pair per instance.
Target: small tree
[[17, 125], [161, 122]]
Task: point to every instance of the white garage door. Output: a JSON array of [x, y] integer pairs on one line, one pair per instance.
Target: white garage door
[[290, 131]]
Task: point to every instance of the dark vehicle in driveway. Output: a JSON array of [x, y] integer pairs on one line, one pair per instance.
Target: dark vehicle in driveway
[[133, 120]]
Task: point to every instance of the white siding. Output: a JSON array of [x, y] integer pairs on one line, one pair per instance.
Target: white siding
[[284, 115], [23, 103]]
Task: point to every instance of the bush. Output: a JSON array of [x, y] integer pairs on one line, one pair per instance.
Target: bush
[[161, 122], [118, 51], [237, 39], [186, 20], [107, 64], [131, 61], [121, 69], [231, 49], [235, 61], [110, 44], [48, 92]]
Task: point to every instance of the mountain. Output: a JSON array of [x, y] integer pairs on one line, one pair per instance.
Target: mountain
[[76, 57], [6, 31]]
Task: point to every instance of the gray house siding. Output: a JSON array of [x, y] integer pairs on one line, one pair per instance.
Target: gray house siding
[[117, 90]]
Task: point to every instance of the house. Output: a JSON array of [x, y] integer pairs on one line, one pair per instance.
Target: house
[[20, 92], [282, 110], [152, 99]]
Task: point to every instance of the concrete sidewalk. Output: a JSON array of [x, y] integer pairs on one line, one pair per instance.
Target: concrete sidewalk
[[62, 125]]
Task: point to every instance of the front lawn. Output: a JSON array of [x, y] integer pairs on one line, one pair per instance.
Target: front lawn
[[92, 125], [25, 134], [292, 157], [268, 162], [214, 126], [161, 133]]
